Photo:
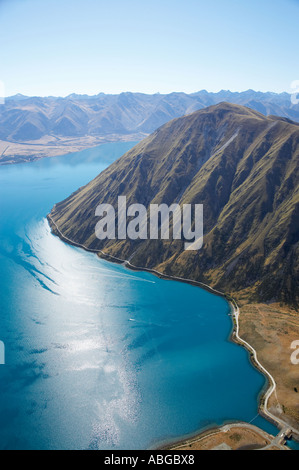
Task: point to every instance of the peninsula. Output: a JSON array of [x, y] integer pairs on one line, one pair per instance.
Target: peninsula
[[244, 168]]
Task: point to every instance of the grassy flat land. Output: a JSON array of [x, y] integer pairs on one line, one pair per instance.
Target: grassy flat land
[[49, 146], [271, 329], [230, 437]]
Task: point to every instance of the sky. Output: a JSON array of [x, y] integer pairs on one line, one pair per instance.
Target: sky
[[58, 47]]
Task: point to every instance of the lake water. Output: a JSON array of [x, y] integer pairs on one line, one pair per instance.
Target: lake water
[[97, 356]]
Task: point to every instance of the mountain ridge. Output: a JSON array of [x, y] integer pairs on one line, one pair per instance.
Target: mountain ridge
[[243, 167], [126, 113], [32, 128]]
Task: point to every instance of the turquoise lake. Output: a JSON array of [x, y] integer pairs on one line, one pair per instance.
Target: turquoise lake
[[98, 356]]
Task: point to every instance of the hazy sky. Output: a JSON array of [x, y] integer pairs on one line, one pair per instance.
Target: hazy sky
[[56, 47]]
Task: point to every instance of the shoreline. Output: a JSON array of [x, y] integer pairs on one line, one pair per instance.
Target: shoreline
[[28, 152], [213, 431], [268, 390]]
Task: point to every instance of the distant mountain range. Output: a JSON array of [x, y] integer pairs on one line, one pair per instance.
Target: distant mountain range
[[25, 119], [32, 127], [241, 165]]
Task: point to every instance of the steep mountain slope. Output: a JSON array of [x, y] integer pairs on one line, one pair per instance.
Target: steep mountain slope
[[243, 167]]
